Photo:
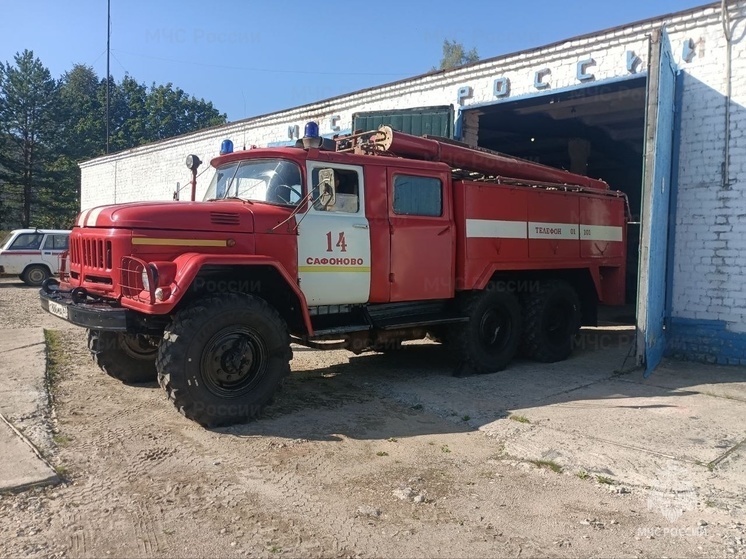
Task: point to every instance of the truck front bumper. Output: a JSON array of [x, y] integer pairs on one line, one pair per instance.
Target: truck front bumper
[[93, 315]]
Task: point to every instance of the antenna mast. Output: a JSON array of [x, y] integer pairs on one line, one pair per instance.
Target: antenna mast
[[108, 49]]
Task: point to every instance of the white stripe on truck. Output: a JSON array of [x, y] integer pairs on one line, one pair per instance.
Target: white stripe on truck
[[501, 229]]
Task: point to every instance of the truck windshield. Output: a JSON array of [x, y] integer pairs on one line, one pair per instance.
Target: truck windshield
[[275, 181]]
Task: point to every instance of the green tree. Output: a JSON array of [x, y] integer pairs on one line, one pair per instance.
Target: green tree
[[28, 122], [172, 112], [128, 114], [140, 115], [81, 92], [454, 55], [47, 128], [81, 135]]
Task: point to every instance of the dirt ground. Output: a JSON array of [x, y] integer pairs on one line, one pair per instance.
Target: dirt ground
[[350, 461]]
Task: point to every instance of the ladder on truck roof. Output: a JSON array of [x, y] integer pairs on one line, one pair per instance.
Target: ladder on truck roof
[[468, 162]]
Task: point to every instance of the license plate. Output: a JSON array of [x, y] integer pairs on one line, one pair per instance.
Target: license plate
[[58, 310]]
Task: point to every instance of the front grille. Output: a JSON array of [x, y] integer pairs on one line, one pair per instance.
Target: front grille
[[91, 253]]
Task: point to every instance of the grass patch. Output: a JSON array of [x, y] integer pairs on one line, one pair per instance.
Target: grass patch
[[519, 418], [465, 418], [445, 448], [382, 453], [62, 471], [547, 465], [55, 362], [582, 474], [61, 440], [392, 440], [605, 480]]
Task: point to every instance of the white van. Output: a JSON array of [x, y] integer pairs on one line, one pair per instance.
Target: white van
[[33, 254]]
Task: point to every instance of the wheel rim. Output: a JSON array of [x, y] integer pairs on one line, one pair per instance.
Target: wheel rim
[[233, 362], [35, 275], [137, 347], [494, 330], [557, 323]]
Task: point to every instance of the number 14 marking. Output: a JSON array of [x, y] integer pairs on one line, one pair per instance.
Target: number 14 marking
[[341, 242]]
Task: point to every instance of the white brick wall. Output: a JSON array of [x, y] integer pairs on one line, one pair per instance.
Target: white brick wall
[[710, 238], [710, 232]]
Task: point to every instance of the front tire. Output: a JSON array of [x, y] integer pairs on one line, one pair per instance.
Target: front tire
[[223, 358], [551, 321], [488, 342], [126, 357]]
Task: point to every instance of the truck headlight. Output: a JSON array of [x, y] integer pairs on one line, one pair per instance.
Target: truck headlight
[[145, 280]]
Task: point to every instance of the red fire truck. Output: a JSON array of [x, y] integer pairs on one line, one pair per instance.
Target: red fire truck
[[357, 242]]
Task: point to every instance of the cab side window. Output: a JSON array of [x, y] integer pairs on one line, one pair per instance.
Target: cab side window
[[347, 192], [27, 241], [418, 196], [56, 242]]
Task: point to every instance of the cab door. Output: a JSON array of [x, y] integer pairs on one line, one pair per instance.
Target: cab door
[[334, 240], [423, 243]]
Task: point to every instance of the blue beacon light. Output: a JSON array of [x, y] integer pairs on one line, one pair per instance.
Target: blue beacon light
[[226, 147], [311, 136], [311, 130]]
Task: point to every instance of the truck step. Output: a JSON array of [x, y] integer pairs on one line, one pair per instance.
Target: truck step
[[422, 320], [389, 316]]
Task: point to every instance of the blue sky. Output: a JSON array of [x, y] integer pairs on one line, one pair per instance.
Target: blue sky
[[251, 58]]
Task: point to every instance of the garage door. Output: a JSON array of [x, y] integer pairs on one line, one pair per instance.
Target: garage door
[[656, 199]]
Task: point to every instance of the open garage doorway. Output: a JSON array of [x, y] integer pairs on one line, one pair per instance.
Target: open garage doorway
[[596, 130], [623, 132]]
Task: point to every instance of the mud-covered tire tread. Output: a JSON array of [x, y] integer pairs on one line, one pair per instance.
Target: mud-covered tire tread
[[186, 320], [533, 345], [459, 340], [116, 363]]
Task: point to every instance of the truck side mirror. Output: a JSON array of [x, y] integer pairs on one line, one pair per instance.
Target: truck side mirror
[[327, 189]]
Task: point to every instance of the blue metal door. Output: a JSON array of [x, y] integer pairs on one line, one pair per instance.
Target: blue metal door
[[656, 198]]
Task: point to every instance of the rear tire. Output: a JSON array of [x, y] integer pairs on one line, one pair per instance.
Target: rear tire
[[551, 322], [223, 358], [35, 275], [126, 357], [488, 342]]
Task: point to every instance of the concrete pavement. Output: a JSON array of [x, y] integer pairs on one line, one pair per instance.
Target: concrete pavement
[[680, 432], [23, 410]]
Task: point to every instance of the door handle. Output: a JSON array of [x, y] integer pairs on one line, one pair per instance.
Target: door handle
[[359, 225], [444, 231]]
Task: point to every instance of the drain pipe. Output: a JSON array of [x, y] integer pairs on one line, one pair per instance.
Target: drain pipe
[[725, 17]]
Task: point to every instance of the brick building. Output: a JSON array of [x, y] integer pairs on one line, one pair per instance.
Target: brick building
[[655, 108]]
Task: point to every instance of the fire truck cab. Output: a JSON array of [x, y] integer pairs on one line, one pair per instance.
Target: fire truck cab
[[360, 242]]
